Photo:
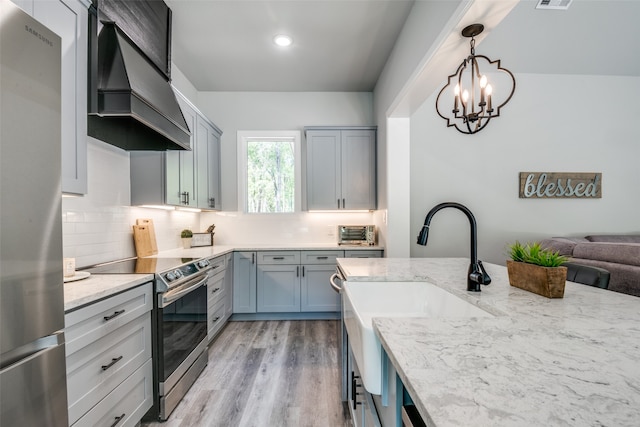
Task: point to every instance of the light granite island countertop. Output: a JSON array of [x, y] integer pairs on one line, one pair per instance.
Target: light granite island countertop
[[572, 361]]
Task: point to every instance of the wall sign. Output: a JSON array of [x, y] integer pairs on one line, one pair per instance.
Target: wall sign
[[560, 185]]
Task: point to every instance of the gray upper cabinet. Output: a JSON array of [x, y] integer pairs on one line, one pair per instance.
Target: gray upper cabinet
[[69, 20], [208, 164], [180, 178], [341, 168]]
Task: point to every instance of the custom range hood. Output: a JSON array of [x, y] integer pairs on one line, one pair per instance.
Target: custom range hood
[[131, 103]]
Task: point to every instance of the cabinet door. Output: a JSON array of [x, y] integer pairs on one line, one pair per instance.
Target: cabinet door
[[180, 170], [244, 282], [358, 168], [214, 198], [316, 292], [69, 20], [208, 165], [323, 170], [228, 278], [278, 288]]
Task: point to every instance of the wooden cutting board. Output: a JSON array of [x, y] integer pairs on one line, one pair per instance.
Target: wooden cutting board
[[152, 233], [142, 241]]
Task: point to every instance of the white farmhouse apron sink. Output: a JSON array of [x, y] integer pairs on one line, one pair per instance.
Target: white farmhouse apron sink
[[362, 301]]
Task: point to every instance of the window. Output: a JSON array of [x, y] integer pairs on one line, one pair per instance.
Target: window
[[269, 171]]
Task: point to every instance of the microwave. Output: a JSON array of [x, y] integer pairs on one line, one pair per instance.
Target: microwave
[[362, 235]]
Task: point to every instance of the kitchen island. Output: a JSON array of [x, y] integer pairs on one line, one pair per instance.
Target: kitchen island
[[538, 361]]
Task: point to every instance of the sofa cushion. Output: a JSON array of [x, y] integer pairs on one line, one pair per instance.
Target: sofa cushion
[[564, 245], [621, 253], [615, 238]]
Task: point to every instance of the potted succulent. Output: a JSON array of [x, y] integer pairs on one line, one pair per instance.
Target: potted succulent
[[536, 269], [186, 235]]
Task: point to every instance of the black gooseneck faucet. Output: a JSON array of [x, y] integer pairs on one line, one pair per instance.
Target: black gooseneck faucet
[[477, 275]]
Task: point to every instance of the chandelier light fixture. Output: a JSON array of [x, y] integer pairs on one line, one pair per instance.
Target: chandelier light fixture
[[469, 97]]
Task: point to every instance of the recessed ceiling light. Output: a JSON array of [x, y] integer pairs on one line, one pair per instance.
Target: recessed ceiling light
[[282, 40]]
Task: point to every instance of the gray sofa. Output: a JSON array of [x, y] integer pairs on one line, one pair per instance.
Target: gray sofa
[[618, 254]]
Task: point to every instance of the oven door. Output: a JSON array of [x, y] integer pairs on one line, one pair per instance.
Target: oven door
[[182, 330]]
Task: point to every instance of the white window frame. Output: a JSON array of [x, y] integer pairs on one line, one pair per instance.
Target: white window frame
[[243, 137]]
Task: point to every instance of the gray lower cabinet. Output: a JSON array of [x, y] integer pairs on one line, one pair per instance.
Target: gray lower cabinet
[[228, 283], [217, 313], [288, 281], [244, 282], [365, 253], [278, 288], [108, 359], [316, 295], [363, 410]]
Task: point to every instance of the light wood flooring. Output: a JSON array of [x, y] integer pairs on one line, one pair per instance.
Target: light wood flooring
[[267, 373]]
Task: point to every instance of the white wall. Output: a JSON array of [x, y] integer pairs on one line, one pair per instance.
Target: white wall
[[554, 123], [421, 30]]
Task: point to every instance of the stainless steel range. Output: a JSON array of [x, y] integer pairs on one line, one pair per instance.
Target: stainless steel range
[[179, 324]]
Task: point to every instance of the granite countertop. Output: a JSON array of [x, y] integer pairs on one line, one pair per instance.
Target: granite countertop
[[211, 251], [99, 286], [570, 361]]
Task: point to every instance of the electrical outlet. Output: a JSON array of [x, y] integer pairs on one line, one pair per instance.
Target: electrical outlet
[[384, 217], [331, 232]]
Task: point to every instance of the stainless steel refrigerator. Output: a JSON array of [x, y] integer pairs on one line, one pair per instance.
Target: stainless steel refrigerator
[[33, 390]]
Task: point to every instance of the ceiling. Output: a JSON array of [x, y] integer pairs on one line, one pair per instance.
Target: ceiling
[[338, 45], [342, 45]]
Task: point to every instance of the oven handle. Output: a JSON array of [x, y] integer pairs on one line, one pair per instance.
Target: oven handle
[[333, 284], [175, 294]]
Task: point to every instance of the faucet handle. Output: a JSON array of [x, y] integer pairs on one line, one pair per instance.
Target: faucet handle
[[485, 277]]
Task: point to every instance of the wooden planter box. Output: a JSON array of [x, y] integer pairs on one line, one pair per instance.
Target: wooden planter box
[[545, 281]]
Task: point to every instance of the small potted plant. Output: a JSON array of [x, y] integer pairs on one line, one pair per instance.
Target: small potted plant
[[186, 236], [536, 269]]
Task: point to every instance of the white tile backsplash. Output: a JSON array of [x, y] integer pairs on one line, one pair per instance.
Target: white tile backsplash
[[234, 228], [98, 226]]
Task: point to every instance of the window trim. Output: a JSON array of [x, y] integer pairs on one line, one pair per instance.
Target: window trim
[[243, 137]]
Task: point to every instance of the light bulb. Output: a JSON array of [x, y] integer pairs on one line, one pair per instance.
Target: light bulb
[[282, 40], [483, 81], [465, 96], [456, 90], [488, 90]]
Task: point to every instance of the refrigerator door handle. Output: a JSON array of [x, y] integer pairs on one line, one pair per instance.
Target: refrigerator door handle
[[30, 349]]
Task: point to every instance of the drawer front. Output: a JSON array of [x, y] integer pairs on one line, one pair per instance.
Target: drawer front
[[216, 288], [321, 257], [127, 404], [280, 257], [218, 263], [89, 324], [217, 318], [363, 254], [95, 370]]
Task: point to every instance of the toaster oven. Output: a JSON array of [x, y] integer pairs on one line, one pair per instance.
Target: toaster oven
[[362, 235]]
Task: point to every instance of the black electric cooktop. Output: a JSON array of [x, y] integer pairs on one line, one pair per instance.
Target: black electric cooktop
[[139, 266]]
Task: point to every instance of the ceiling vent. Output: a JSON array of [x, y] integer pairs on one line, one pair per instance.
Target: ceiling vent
[[554, 4]]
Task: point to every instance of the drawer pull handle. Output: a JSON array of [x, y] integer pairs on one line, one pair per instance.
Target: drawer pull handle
[[115, 314], [322, 257], [216, 319], [113, 362], [213, 291], [278, 257], [117, 420]]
